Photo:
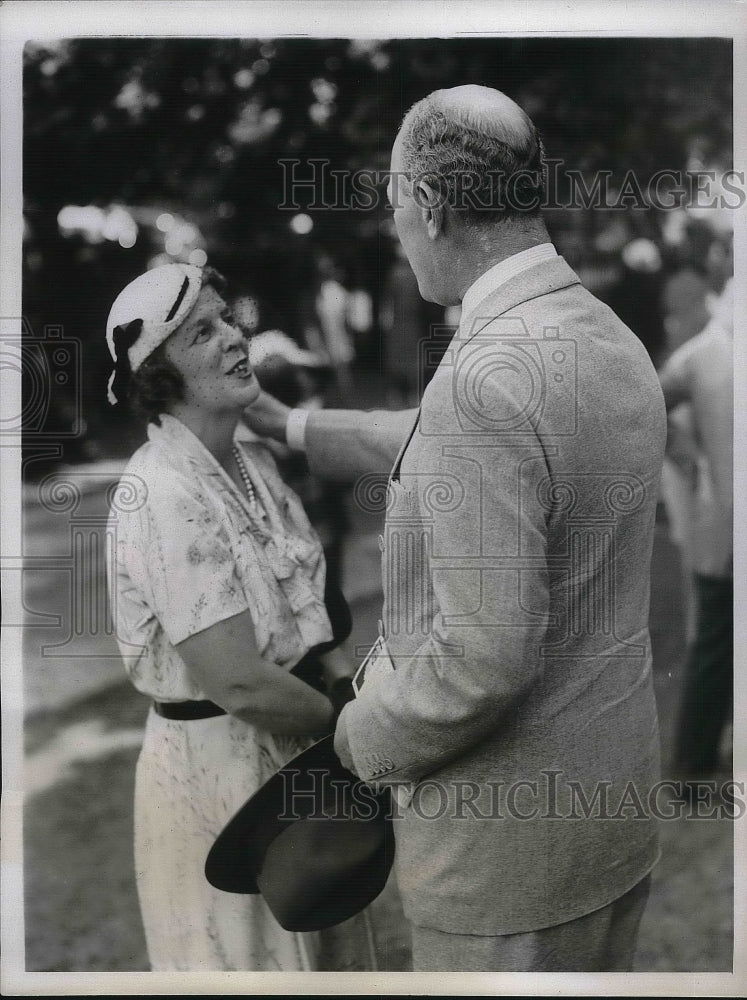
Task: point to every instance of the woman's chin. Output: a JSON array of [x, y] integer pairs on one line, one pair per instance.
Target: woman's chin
[[250, 392]]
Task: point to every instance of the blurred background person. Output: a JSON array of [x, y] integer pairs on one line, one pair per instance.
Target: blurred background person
[[699, 264], [684, 297], [636, 295], [326, 330], [405, 319], [359, 309], [699, 373], [684, 301]]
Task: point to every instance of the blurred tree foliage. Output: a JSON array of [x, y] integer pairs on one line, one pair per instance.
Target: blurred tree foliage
[[199, 126]]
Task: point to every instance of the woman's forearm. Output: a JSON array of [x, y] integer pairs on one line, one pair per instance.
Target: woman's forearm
[[277, 701]]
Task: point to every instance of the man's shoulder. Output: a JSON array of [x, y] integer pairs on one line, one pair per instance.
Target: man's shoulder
[[559, 306], [531, 286]]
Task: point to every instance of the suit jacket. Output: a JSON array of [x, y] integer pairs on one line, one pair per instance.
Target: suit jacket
[[515, 564]]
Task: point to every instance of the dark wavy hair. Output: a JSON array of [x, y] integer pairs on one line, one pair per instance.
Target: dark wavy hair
[[158, 382], [154, 386]]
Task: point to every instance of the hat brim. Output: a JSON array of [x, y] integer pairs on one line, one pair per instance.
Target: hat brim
[[237, 855], [320, 873]]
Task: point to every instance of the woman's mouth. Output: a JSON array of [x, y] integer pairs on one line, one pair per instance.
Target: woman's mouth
[[241, 369]]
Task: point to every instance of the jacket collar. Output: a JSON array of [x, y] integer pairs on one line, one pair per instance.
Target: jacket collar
[[504, 270], [541, 279], [548, 276]]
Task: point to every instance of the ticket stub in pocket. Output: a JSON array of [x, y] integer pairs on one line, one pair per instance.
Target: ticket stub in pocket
[[377, 664]]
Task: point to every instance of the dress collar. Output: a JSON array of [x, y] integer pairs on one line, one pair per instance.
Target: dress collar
[[177, 438]]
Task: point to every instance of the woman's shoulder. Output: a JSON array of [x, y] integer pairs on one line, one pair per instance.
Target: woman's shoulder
[[150, 461], [154, 472]]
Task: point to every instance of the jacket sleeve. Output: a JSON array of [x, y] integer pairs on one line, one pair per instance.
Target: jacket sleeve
[[490, 592]]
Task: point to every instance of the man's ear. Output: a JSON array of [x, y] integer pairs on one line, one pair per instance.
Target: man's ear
[[430, 202]]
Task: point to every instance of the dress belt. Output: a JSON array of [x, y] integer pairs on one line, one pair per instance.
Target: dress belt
[[184, 711]]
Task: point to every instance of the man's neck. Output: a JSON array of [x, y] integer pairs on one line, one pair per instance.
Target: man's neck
[[487, 253]]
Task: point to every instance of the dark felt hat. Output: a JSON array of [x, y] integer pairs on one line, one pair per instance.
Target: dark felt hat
[[314, 840]]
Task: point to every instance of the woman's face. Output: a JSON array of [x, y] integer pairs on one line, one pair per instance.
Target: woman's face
[[211, 355]]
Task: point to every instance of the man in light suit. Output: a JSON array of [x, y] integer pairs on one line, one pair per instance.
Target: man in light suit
[[520, 718]]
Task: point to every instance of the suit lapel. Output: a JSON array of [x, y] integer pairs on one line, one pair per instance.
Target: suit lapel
[[394, 475]]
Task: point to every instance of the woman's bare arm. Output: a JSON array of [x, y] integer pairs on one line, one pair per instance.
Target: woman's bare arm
[[225, 662]]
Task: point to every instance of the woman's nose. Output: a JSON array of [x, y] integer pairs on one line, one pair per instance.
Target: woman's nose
[[232, 337]]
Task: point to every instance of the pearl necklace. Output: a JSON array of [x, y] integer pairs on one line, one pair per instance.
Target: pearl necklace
[[244, 473]]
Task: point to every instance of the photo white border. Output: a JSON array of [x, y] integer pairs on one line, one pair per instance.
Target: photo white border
[[39, 19]]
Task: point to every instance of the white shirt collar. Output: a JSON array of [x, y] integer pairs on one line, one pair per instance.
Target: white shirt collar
[[500, 273]]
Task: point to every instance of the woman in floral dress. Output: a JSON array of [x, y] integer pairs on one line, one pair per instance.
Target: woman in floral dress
[[217, 588]]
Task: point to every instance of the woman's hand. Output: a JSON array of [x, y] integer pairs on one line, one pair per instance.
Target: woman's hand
[[338, 672], [336, 664], [267, 416]]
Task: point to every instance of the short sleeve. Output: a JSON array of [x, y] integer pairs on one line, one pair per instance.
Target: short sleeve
[[179, 557]]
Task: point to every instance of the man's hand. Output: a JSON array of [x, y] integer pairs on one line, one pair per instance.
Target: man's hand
[[267, 416]]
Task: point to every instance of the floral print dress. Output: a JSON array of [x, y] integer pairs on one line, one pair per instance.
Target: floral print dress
[[189, 551]]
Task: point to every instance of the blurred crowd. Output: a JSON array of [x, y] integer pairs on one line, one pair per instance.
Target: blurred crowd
[[678, 298]]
